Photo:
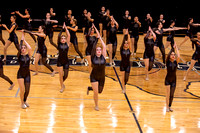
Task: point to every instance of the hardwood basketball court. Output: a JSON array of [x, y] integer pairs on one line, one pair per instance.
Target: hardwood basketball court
[[73, 111]]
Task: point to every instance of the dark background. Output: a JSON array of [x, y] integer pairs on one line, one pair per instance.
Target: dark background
[[176, 10]]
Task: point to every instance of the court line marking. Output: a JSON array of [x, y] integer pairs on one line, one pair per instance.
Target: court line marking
[[127, 99], [17, 92]]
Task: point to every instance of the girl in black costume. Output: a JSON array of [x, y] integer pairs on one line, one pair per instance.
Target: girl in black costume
[[23, 75], [149, 41], [170, 80], [63, 61], [125, 64], [13, 36], [42, 50], [97, 76], [196, 55]]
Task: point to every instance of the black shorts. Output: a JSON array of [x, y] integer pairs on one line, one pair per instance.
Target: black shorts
[[113, 42], [100, 80], [172, 83], [14, 39], [65, 65], [42, 52], [74, 41], [24, 75], [196, 56], [149, 56], [125, 68]]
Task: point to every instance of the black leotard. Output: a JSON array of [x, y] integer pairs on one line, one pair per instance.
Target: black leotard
[[73, 37], [24, 71], [134, 30], [125, 64], [91, 41], [101, 17], [98, 71], [63, 55], [42, 49], [196, 55], [126, 22], [147, 24], [149, 49], [49, 29], [112, 35], [171, 73], [13, 36], [170, 37]]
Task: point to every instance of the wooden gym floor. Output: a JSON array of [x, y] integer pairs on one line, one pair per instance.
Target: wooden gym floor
[[73, 111]]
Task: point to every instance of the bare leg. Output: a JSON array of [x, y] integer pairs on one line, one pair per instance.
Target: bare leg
[[37, 57], [110, 53], [60, 70], [101, 29], [189, 69], [146, 62], [5, 48], [104, 35], [22, 91], [186, 38], [123, 81], [89, 63], [96, 91], [132, 44]]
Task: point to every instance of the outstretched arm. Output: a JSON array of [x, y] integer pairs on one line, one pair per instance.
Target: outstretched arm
[[26, 43]]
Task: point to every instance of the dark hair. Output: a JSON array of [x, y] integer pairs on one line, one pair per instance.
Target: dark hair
[[170, 52], [172, 21], [189, 20], [14, 17]]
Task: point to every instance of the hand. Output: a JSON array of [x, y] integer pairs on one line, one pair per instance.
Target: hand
[[17, 12], [4, 25]]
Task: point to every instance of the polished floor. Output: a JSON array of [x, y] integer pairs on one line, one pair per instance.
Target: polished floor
[[73, 111]]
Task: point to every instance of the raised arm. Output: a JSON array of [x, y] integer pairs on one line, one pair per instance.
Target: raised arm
[[102, 42], [177, 52], [27, 45]]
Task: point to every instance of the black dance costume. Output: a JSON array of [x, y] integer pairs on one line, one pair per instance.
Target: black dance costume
[[125, 64], [98, 71], [1, 37], [74, 41], [159, 43], [91, 41], [171, 79], [63, 60], [42, 50], [126, 22], [196, 55], [27, 26], [134, 33], [13, 36], [149, 51], [112, 38], [147, 24], [24, 73], [88, 25], [2, 73], [170, 37], [49, 32]]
